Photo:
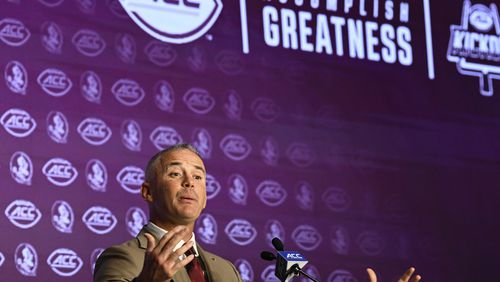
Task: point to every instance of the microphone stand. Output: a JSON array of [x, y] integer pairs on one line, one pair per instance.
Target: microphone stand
[[296, 270]]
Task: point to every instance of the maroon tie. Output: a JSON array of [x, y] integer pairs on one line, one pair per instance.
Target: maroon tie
[[194, 269]]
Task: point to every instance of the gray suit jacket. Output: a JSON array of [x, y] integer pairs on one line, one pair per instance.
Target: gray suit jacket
[[124, 263]]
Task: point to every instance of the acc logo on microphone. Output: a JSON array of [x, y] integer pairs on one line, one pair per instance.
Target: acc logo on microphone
[[301, 155], [52, 37], [306, 237], [371, 243], [97, 175], [235, 147], [199, 100], [91, 87], [23, 214], [268, 275], [240, 232], [164, 96], [18, 122], [202, 142], [160, 54], [213, 187], [135, 219], [60, 172], [16, 77], [131, 134], [13, 32], [54, 82], [62, 217], [128, 92], [21, 168], [26, 259], [125, 48], [164, 136], [207, 229], [265, 109], [245, 269], [341, 275], [336, 199], [238, 189], [99, 220], [229, 62], [131, 179], [57, 127], [94, 131], [88, 42], [271, 193], [177, 22], [64, 262]]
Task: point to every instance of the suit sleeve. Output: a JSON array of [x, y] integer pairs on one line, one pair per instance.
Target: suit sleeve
[[117, 264]]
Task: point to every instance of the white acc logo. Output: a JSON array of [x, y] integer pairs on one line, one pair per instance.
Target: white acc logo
[[62, 217], [18, 122], [271, 193], [240, 232], [371, 243], [23, 214], [213, 187], [54, 82], [336, 199], [26, 259], [164, 136], [177, 21], [99, 220], [131, 178], [300, 155], [97, 175], [306, 237], [235, 147], [16, 77], [64, 262], [265, 109], [88, 42], [21, 168], [60, 172], [160, 54], [199, 100], [57, 127], [13, 32], [95, 131], [128, 92]]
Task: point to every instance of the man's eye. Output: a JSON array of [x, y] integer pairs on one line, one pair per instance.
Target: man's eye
[[197, 177], [174, 174]]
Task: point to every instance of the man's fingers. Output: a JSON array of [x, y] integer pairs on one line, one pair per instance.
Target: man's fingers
[[150, 242], [372, 275], [177, 234], [416, 278], [406, 276]]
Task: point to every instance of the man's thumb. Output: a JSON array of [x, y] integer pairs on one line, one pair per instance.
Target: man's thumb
[[150, 242], [372, 275]]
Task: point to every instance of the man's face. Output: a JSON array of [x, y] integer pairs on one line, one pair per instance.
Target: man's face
[[179, 193]]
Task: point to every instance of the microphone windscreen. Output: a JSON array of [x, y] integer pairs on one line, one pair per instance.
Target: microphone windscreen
[[278, 245], [265, 255]]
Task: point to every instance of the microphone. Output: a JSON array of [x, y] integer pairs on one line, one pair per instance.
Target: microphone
[[265, 255], [289, 264], [278, 244]]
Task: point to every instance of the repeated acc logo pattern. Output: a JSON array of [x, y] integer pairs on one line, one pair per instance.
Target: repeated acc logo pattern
[[235, 147], [164, 136], [18, 122], [26, 259], [131, 179], [199, 100], [245, 269], [207, 229], [94, 131], [213, 186], [238, 189], [88, 42], [54, 82], [21, 168], [135, 219], [131, 135], [128, 92], [271, 193], [96, 175], [91, 87], [240, 231], [52, 37], [23, 214], [64, 262], [57, 127], [59, 172], [13, 32], [62, 217], [99, 220], [16, 77], [306, 237], [160, 54]]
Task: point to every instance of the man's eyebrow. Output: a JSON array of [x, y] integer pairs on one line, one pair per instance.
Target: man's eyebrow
[[179, 164]]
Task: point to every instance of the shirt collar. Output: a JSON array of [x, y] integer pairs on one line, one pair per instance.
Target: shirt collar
[[159, 232]]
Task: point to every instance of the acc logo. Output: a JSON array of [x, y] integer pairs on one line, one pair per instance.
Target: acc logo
[[339, 237], [16, 77], [94, 131], [26, 259], [371, 243], [179, 21], [88, 42], [18, 123], [64, 262], [91, 87], [52, 37], [300, 155], [136, 219], [97, 175], [229, 62], [245, 269], [51, 3], [341, 275], [131, 179], [274, 229], [268, 275], [304, 196], [271, 193], [62, 217], [94, 256], [207, 229], [131, 135], [238, 189], [57, 127], [306, 237], [233, 107], [202, 142], [240, 232], [164, 96], [125, 48], [164, 136], [213, 187], [54, 82], [336, 199], [13, 32], [60, 172], [235, 147], [99, 220], [160, 54], [128, 92], [23, 214], [21, 168], [265, 109], [199, 100], [474, 45], [270, 152]]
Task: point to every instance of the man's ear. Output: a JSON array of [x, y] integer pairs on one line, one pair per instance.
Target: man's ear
[[146, 192]]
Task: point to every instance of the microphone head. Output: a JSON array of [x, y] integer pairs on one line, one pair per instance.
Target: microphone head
[[265, 255], [278, 245]]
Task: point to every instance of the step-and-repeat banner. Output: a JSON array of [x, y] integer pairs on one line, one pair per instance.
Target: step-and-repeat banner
[[349, 129]]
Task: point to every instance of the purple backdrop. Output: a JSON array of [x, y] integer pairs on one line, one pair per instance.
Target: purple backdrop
[[362, 135]]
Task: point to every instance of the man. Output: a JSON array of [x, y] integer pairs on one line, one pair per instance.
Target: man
[[175, 190]]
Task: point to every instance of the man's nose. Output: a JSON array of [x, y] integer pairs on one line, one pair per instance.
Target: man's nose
[[187, 182]]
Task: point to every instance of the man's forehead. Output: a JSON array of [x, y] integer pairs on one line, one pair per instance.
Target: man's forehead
[[182, 157]]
